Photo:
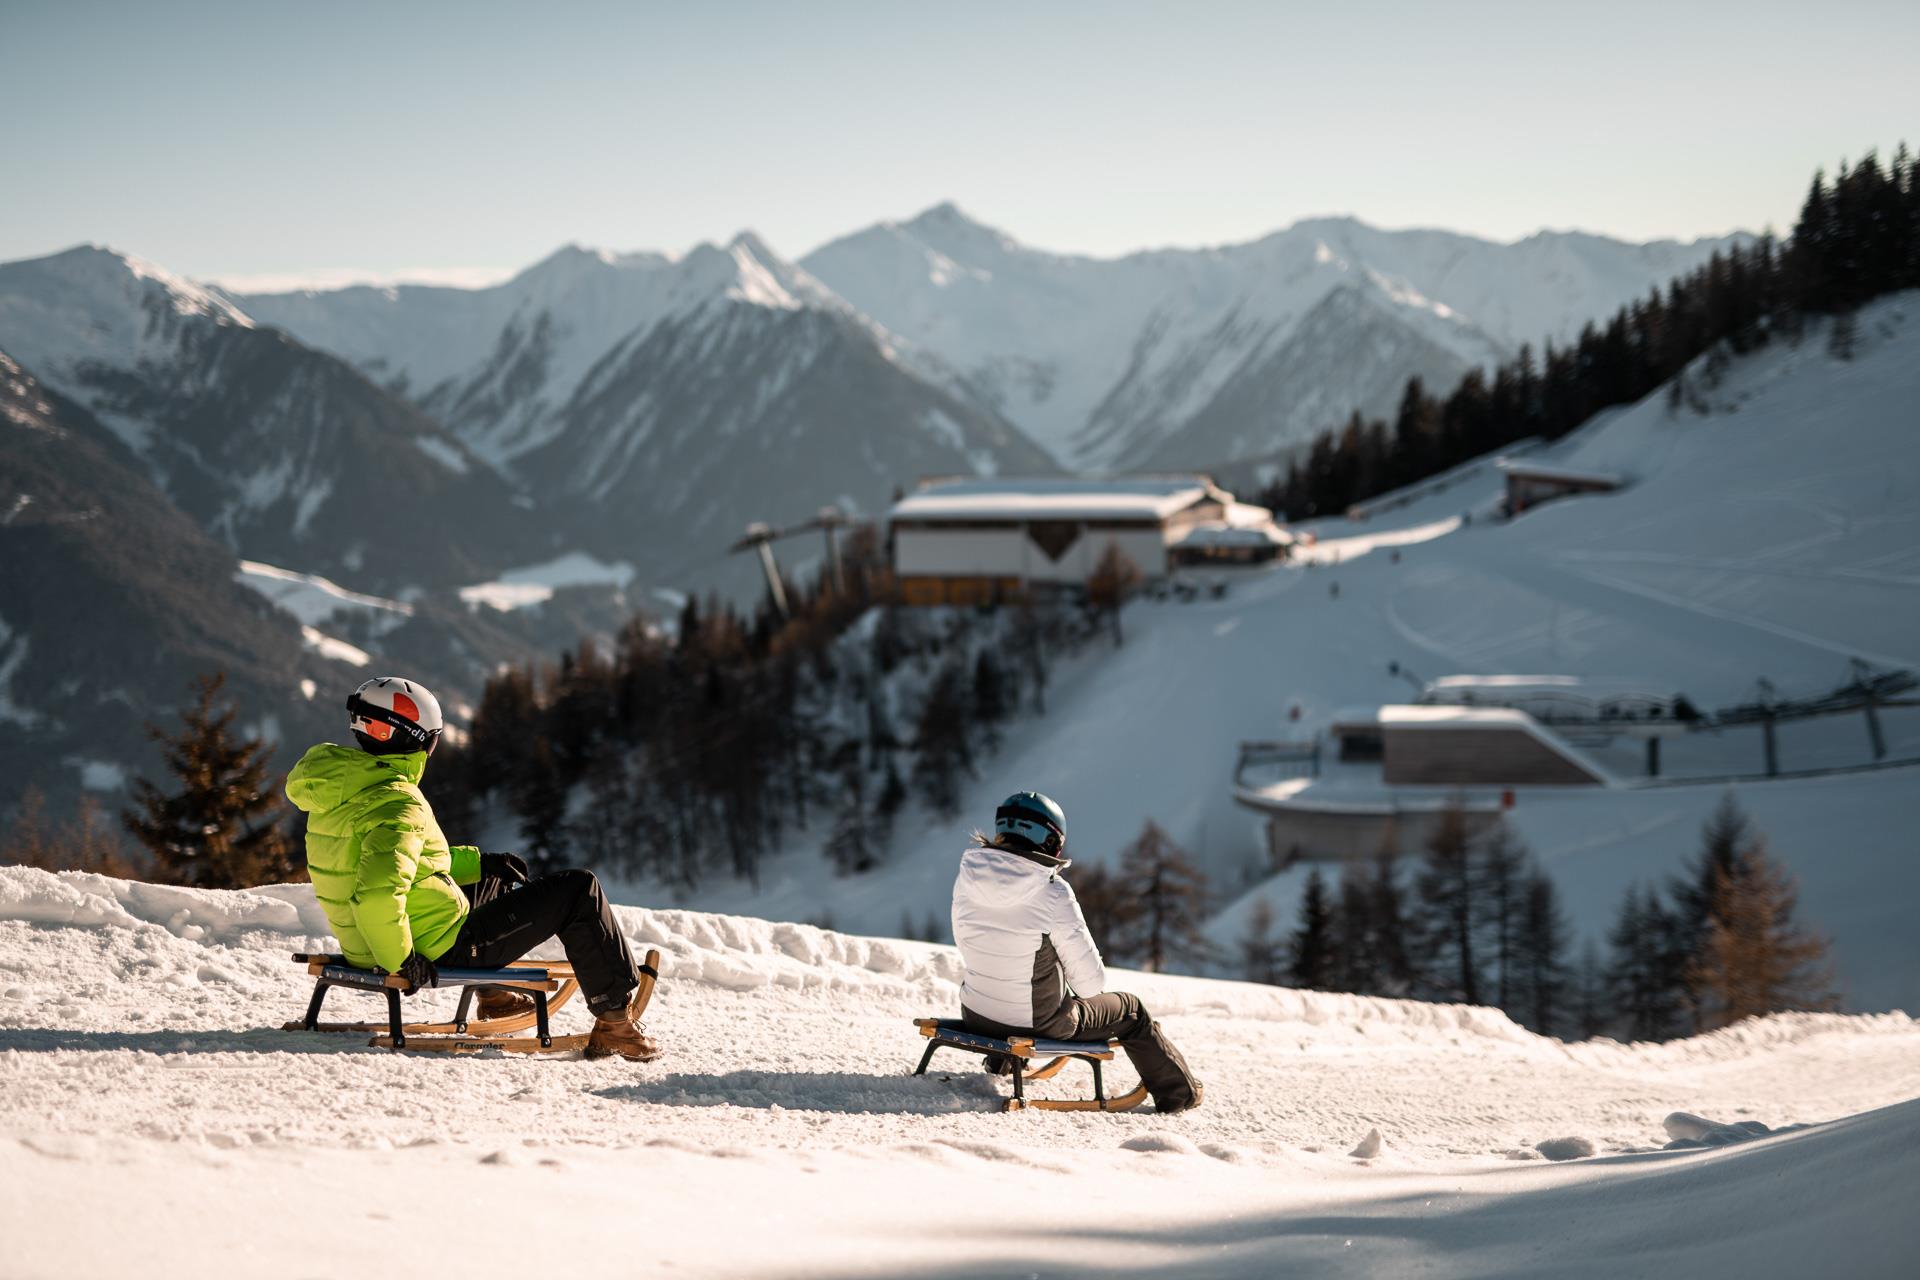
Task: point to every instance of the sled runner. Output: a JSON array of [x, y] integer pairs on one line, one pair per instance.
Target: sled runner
[[551, 983], [951, 1033]]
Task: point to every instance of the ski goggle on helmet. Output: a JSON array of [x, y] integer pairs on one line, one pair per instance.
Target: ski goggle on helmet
[[1030, 817], [392, 716]]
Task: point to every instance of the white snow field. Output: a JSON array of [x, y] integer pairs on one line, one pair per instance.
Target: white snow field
[[155, 1122], [1775, 535]]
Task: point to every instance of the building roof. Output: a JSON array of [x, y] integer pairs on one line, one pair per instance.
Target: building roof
[[1140, 498], [1562, 475]]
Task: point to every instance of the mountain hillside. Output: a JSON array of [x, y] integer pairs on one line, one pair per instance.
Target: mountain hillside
[[282, 452], [1165, 357], [112, 602], [617, 388]]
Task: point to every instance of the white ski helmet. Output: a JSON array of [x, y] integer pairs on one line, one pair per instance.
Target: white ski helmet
[[393, 716]]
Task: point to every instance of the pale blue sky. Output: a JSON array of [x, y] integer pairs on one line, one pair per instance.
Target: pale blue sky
[[225, 140]]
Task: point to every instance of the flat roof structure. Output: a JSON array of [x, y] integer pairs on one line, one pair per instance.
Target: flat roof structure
[[1135, 498], [1524, 470]]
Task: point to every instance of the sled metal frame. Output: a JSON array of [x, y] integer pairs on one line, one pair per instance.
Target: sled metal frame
[[949, 1033], [551, 983]]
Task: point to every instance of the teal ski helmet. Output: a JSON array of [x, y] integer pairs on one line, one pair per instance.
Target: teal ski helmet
[[1034, 820]]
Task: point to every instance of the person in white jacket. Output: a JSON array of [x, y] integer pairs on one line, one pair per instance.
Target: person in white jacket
[[1032, 968]]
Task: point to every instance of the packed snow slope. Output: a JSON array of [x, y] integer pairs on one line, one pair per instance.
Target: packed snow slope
[[1774, 535], [782, 1135]]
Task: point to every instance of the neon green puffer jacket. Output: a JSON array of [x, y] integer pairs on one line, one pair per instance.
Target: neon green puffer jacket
[[381, 869]]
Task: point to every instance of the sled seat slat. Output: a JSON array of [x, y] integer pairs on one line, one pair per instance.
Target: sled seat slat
[[954, 1032]]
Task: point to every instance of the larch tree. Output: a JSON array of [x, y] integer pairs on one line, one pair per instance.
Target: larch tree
[[1113, 580], [1172, 893], [1110, 907], [1754, 958]]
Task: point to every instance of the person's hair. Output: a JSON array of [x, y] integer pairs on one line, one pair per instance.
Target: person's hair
[[1007, 841]]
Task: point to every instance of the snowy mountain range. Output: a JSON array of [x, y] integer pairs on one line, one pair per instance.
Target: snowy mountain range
[[1190, 357], [1171, 358], [658, 404]]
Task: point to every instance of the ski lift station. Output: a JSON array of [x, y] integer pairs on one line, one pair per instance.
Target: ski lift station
[[1381, 776], [1531, 483], [973, 541]]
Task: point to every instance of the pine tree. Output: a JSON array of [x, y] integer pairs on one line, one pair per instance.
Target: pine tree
[[1592, 1010], [1259, 951], [1641, 976], [223, 828], [1392, 927], [1449, 912], [1312, 961], [1539, 991], [943, 758], [893, 796], [853, 845], [1503, 887], [1754, 959], [539, 797], [989, 696], [1356, 961], [1172, 896]]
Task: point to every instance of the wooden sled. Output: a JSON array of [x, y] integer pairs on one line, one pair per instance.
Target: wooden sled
[[551, 983], [951, 1033]]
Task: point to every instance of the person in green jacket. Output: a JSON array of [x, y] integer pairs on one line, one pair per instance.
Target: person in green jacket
[[400, 897]]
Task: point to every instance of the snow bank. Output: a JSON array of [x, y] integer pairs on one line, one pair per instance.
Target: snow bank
[[142, 1081]]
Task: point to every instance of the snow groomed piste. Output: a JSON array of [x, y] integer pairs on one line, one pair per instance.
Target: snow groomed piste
[[144, 1082]]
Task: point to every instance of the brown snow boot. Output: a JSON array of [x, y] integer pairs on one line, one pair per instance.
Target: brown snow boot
[[496, 1003], [622, 1036], [622, 1033]]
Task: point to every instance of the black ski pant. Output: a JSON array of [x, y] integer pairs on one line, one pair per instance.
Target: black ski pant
[[508, 921], [1117, 1015]]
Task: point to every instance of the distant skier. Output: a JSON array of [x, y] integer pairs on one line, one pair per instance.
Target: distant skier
[[1032, 968], [399, 898]]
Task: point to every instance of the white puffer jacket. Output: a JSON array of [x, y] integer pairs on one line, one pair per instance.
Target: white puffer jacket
[[1021, 936]]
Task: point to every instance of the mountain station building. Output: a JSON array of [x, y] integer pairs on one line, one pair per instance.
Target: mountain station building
[[973, 541]]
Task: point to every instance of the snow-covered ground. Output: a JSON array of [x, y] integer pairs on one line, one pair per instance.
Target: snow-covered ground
[[154, 1120], [1776, 536]]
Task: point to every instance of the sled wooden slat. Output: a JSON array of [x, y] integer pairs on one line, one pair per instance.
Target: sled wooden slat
[[1125, 1102], [475, 1044]]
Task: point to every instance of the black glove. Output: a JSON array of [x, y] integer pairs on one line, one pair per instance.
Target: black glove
[[506, 866], [419, 971]]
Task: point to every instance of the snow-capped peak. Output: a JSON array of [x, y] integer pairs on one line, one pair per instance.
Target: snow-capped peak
[[93, 305]]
